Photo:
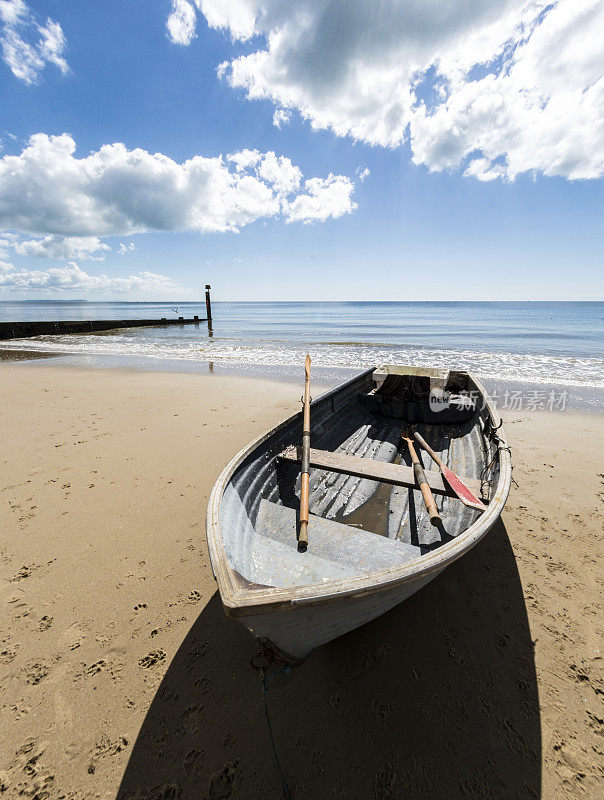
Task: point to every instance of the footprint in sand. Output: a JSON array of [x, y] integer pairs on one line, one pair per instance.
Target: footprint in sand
[[45, 623], [197, 651], [382, 709], [24, 572], [596, 723], [151, 659], [8, 653], [582, 674], [95, 668], [384, 782], [169, 791], [203, 684], [367, 662], [36, 673], [106, 746], [192, 712], [20, 710], [221, 783], [74, 635], [33, 780], [191, 757]]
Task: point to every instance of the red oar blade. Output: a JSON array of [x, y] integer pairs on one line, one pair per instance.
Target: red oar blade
[[461, 490]]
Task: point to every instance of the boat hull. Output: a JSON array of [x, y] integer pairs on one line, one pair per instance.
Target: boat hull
[[289, 601], [296, 631]]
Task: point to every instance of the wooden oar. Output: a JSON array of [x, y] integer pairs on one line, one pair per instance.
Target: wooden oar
[[465, 494], [424, 486], [305, 465]]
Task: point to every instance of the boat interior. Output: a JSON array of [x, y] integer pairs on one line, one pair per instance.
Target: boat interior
[[366, 511]]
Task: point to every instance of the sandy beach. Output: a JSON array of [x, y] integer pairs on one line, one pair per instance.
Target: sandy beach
[[121, 677]]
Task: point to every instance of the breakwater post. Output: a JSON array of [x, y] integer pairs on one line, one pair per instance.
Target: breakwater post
[[22, 330]]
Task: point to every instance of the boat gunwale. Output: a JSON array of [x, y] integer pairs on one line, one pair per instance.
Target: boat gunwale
[[242, 601]]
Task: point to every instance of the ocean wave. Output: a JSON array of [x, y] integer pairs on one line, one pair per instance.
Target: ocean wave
[[534, 368]]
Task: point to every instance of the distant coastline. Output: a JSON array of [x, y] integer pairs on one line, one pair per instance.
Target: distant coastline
[[37, 302]]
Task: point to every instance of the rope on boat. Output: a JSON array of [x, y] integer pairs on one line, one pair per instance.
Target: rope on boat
[[491, 432], [265, 679]]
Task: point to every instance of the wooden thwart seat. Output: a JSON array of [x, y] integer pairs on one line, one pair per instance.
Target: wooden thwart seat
[[382, 471]]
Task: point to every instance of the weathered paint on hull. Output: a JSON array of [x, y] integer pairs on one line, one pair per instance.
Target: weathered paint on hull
[[298, 630]]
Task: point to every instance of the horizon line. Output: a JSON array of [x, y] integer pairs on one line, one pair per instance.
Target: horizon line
[[202, 301]]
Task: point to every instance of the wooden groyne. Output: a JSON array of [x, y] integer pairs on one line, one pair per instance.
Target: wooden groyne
[[22, 330]]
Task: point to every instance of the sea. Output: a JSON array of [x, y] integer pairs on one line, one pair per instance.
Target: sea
[[544, 344]]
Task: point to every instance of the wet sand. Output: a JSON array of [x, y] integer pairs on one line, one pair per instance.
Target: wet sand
[[120, 675]]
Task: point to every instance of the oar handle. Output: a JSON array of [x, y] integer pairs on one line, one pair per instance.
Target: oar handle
[[435, 457], [303, 534], [305, 465], [424, 486]]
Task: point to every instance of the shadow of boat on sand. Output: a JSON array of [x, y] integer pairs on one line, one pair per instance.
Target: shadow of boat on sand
[[435, 699]]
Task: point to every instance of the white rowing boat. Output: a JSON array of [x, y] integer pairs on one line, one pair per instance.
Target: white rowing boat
[[371, 544]]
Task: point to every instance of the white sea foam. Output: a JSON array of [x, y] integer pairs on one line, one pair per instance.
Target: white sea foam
[[533, 368]]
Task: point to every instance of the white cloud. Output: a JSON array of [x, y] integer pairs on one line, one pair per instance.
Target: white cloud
[[181, 22], [28, 46], [52, 44], [126, 247], [12, 11], [117, 192], [85, 247], [544, 110], [281, 117], [244, 159], [72, 277], [7, 241], [519, 83], [237, 15], [482, 169], [280, 172], [363, 173], [331, 197]]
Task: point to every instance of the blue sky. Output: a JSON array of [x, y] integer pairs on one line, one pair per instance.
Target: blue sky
[[406, 231]]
